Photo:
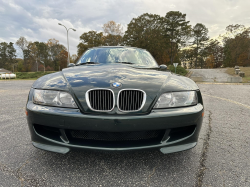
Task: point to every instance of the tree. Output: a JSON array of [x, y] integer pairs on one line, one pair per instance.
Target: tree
[[236, 45], [3, 55], [210, 61], [54, 51], [201, 59], [200, 35], [22, 43], [20, 65], [216, 51], [112, 28], [42, 52], [73, 58], [7, 55], [177, 31], [63, 59], [187, 57], [11, 54], [112, 40], [88, 40], [31, 56], [146, 31], [112, 35]]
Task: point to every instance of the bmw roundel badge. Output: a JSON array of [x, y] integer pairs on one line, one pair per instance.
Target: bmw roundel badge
[[117, 84]]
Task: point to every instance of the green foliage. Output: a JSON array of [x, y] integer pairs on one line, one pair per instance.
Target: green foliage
[[179, 70], [163, 37], [88, 40], [32, 75], [19, 66], [147, 32], [7, 55], [51, 53], [200, 35], [177, 30], [112, 40], [214, 50], [112, 36], [22, 43], [236, 46]]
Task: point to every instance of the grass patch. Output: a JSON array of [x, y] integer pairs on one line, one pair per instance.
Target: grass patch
[[179, 70], [246, 70], [16, 79], [32, 75]]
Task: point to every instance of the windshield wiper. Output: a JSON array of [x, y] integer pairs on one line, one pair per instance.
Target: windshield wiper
[[84, 63], [125, 62]]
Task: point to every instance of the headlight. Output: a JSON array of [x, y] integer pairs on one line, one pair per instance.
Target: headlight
[[177, 99], [53, 98]]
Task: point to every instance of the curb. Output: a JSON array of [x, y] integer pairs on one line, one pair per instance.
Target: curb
[[189, 74]]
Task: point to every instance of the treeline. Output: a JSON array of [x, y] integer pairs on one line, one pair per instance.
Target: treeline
[[34, 55], [172, 39]]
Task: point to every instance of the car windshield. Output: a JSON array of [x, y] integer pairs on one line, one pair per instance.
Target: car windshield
[[132, 56]]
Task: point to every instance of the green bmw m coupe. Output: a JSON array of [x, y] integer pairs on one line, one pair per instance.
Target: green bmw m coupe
[[114, 99]]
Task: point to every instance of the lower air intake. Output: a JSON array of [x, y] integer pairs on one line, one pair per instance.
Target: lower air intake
[[115, 136]]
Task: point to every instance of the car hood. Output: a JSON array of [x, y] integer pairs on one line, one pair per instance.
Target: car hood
[[86, 77], [78, 80], [92, 76]]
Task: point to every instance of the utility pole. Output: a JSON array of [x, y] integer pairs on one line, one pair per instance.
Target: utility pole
[[67, 39]]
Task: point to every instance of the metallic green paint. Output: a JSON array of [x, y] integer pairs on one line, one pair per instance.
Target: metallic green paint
[[177, 148], [66, 118], [77, 80], [52, 148]]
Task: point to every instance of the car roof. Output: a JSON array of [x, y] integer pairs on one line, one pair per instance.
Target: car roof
[[117, 47]]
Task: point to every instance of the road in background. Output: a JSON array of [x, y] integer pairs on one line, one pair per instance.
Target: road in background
[[209, 75], [221, 157]]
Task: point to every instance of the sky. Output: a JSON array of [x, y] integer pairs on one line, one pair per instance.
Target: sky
[[38, 20]]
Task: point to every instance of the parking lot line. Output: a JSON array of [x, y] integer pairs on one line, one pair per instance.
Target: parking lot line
[[229, 100]]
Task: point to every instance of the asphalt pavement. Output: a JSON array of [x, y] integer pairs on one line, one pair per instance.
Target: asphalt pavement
[[210, 75], [221, 157]]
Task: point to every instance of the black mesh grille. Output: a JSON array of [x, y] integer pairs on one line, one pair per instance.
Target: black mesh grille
[[130, 100], [101, 99], [115, 136]]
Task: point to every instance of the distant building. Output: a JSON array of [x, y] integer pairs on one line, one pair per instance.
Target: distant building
[[2, 71]]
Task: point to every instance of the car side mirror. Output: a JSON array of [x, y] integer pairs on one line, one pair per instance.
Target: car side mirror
[[163, 67], [71, 65]]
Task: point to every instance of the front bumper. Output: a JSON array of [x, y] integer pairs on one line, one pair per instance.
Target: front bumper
[[187, 121]]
